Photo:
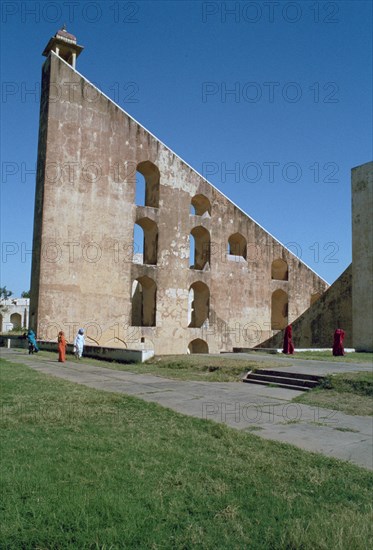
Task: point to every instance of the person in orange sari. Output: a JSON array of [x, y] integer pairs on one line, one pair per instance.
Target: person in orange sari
[[61, 347]]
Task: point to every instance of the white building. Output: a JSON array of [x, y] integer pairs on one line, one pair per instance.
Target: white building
[[14, 313]]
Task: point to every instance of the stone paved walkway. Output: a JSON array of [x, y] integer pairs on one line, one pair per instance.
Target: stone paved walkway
[[267, 412]]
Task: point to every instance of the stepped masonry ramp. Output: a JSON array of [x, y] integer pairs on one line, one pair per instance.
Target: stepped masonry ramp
[[282, 379]]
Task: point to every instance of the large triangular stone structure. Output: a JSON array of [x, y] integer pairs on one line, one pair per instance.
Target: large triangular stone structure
[[241, 285]]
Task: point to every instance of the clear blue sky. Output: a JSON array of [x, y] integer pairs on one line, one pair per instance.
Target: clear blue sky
[[270, 101]]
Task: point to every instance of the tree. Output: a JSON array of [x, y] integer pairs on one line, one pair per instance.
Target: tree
[[25, 294], [4, 295]]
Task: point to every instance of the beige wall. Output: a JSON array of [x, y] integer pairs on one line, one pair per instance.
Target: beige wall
[[83, 272], [315, 327], [362, 256]]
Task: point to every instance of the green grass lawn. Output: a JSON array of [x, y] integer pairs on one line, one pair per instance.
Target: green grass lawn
[[207, 368], [181, 367], [351, 393], [351, 357], [88, 469]]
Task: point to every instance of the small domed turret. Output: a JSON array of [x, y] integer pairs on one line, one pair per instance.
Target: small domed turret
[[64, 45]]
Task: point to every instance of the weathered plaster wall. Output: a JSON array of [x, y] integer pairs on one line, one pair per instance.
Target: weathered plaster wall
[[15, 313], [315, 327], [362, 256], [39, 196], [83, 271]]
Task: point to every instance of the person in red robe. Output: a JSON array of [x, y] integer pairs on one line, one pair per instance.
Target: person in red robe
[[288, 343], [338, 348], [61, 347]]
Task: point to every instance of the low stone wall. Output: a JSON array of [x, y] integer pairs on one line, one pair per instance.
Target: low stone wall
[[13, 341], [96, 352]]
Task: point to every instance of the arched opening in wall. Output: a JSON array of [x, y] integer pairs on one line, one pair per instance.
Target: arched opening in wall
[[144, 294], [145, 241], [198, 304], [138, 244], [237, 245], [200, 206], [314, 297], [16, 319], [279, 310], [198, 346], [279, 270], [199, 256], [140, 190], [148, 194]]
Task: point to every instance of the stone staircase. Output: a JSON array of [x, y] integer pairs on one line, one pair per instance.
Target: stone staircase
[[282, 379]]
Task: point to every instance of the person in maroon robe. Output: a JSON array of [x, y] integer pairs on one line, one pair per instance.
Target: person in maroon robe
[[338, 348], [288, 343]]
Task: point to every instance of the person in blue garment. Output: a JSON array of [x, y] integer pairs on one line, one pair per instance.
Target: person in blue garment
[[32, 345], [79, 344]]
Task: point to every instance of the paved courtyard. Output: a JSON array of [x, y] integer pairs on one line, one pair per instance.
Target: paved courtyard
[[265, 411]]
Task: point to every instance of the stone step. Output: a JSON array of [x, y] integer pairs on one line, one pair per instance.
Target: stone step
[[277, 385], [282, 379], [285, 374]]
